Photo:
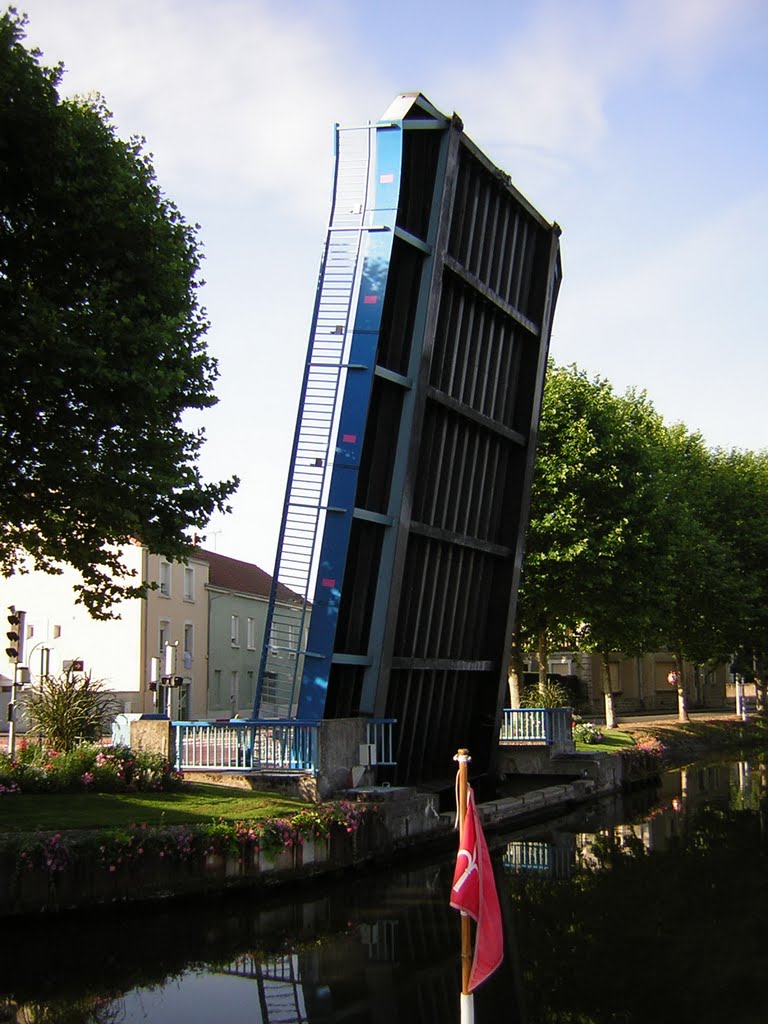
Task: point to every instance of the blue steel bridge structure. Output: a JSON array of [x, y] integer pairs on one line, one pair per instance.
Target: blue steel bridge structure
[[409, 485]]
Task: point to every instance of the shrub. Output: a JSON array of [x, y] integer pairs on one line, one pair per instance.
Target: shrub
[[586, 732], [551, 694], [70, 708]]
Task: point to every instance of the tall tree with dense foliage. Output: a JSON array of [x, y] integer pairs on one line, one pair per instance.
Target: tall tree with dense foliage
[[102, 348], [591, 546], [642, 539], [743, 508], [702, 597], [621, 609]]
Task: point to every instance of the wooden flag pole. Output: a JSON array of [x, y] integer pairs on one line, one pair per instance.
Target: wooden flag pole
[[467, 1010]]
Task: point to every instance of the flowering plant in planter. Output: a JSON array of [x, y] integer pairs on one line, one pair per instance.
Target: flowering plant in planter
[[587, 732]]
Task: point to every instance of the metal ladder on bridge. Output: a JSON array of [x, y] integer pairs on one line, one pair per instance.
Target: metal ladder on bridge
[[311, 465]]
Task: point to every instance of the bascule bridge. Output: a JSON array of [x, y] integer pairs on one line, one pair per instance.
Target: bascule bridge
[[408, 490]]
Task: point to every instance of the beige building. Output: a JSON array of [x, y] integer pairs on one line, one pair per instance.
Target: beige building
[[637, 684], [175, 659]]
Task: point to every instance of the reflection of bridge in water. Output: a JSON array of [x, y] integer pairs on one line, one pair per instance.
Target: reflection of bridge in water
[[392, 958], [280, 989], [539, 857]]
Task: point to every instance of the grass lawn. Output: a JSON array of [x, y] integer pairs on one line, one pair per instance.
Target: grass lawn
[[613, 740], [193, 804]]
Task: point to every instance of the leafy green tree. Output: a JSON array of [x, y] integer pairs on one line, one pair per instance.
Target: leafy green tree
[[620, 599], [641, 538], [743, 508], [592, 545], [703, 594], [102, 348]]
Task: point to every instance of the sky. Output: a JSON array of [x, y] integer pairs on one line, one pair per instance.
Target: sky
[[639, 126]]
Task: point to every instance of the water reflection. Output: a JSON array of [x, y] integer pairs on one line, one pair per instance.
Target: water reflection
[[736, 786], [627, 910]]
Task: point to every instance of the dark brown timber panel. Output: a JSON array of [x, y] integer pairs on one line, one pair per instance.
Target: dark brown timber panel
[[442, 503]]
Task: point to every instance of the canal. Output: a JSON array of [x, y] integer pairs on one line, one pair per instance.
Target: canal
[[649, 908]]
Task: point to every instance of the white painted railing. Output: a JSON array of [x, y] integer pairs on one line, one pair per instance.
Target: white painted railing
[[536, 725], [267, 745], [227, 746]]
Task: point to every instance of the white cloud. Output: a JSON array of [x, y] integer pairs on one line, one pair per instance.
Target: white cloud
[[230, 96], [548, 86]]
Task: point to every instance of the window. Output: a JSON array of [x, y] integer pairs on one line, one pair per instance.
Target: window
[[165, 579], [184, 702], [189, 644], [189, 584], [251, 684], [234, 684], [251, 634], [56, 632], [235, 630], [164, 637]]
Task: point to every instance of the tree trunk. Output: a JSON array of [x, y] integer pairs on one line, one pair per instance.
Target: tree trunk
[[759, 673], [682, 698], [515, 671], [760, 694], [542, 654], [610, 711], [640, 675]]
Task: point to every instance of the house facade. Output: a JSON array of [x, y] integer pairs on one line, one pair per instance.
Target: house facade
[[637, 684], [238, 598], [175, 662]]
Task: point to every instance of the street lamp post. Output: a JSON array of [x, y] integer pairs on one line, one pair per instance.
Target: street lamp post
[[22, 675]]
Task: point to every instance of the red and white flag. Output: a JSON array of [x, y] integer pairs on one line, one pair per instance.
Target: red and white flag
[[474, 893]]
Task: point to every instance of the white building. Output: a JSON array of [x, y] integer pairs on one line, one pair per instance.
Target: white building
[[58, 631]]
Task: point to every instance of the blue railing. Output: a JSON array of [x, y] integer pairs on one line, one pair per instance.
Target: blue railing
[[245, 746], [536, 725], [266, 745]]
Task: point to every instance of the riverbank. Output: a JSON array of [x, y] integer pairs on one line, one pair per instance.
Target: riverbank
[[676, 743], [46, 872]]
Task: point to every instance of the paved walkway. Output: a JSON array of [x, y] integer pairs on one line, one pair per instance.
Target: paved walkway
[[632, 721]]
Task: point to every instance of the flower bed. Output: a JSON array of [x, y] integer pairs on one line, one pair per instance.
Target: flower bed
[[89, 767], [81, 868]]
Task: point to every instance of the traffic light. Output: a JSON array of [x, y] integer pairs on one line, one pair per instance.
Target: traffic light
[[15, 634]]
